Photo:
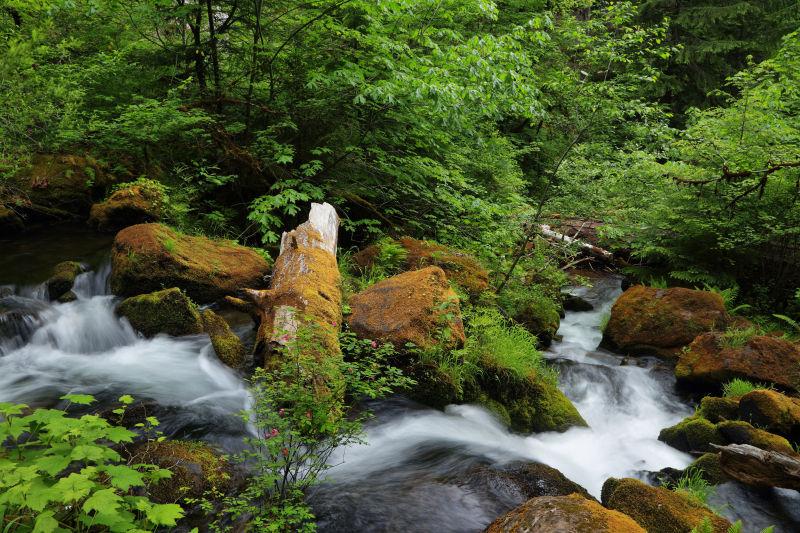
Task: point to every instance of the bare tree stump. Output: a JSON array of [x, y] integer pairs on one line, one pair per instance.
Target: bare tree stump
[[760, 468]]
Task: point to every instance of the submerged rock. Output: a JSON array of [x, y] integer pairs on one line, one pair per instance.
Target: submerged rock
[[460, 267], [773, 411], [169, 311], [63, 278], [576, 303], [149, 257], [528, 480], [662, 321], [416, 307], [135, 204], [657, 508], [227, 345], [709, 362], [565, 514]]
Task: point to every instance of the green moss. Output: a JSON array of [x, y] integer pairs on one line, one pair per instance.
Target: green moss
[[196, 469], [716, 409], [168, 311], [227, 345], [495, 407], [63, 278], [709, 468], [694, 434], [537, 312], [740, 432]]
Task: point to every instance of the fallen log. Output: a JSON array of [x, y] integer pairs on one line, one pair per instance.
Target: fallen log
[[590, 249], [305, 288], [760, 468]]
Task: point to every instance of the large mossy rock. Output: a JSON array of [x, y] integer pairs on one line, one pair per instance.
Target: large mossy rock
[[149, 257], [533, 402], [708, 363], [57, 186], [134, 204], [740, 432], [541, 316], [693, 434], [416, 307], [646, 320], [168, 311], [529, 480], [716, 409], [564, 514], [657, 508], [197, 469], [460, 267], [227, 345], [773, 411], [62, 278]]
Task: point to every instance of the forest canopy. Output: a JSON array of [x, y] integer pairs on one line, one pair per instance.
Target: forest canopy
[[673, 123]]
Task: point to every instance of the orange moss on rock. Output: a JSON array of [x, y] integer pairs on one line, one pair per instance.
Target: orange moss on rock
[[149, 257], [657, 508], [416, 307], [662, 321], [740, 432], [773, 411], [708, 363], [227, 345], [135, 204], [565, 514], [460, 267]]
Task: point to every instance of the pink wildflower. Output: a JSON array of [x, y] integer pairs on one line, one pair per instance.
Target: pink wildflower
[[281, 412], [374, 344]]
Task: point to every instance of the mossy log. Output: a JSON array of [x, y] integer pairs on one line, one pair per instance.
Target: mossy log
[[760, 468], [305, 287]]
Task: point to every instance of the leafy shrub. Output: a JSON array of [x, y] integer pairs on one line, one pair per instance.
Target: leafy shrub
[[740, 387], [298, 412], [60, 472]]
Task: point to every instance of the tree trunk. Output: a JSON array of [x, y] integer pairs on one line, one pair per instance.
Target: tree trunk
[[760, 468], [585, 246], [197, 52], [305, 288], [212, 33]]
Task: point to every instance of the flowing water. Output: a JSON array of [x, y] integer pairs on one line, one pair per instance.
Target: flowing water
[[420, 469]]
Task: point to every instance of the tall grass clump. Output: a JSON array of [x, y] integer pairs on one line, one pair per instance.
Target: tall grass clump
[[740, 387]]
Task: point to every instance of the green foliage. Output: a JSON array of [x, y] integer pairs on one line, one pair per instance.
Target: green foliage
[[739, 387], [60, 473], [298, 411], [694, 485], [737, 337]]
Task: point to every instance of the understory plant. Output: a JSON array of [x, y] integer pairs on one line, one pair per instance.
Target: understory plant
[[739, 387], [694, 485], [64, 473], [302, 411]]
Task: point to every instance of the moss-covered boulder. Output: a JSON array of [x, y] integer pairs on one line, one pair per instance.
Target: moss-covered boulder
[[416, 307], [149, 257], [740, 432], [657, 508], [709, 467], [168, 311], [694, 434], [646, 320], [711, 361], [565, 514], [540, 316], [533, 401], [227, 345], [539, 479], [197, 469], [62, 278], [134, 204], [717, 409], [57, 186], [460, 267], [773, 411]]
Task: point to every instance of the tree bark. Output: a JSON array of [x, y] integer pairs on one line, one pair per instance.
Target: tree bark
[[585, 246], [760, 468], [305, 287]]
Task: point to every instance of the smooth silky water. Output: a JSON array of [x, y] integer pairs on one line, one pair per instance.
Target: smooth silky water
[[420, 469]]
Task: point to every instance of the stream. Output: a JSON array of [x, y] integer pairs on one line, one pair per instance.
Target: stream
[[418, 469]]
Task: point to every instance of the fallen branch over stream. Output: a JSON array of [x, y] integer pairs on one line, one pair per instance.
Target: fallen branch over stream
[[760, 468]]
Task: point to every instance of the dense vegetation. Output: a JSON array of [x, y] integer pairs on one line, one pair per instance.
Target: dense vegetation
[[674, 124]]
